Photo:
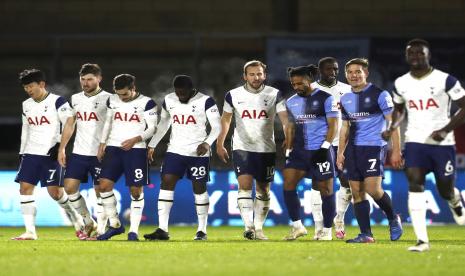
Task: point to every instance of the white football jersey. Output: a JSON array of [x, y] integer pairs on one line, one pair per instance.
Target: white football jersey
[[126, 120], [254, 115], [336, 90], [427, 101], [188, 123], [90, 113], [42, 122]]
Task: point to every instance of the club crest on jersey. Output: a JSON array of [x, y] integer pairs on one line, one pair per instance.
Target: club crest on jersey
[[125, 117], [254, 114], [36, 121], [184, 119], [86, 116], [422, 104]]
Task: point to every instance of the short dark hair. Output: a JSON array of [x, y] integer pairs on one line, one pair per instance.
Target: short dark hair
[[254, 63], [326, 60], [183, 81], [358, 61], [124, 81], [310, 71], [31, 75], [418, 42], [90, 68]]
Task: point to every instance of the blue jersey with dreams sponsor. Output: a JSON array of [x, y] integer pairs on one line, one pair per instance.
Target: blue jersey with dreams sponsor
[[309, 114], [365, 110]]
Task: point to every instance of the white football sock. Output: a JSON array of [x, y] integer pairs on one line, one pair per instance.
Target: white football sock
[[297, 224], [417, 209], [79, 204], [201, 207], [456, 201], [29, 211], [137, 207], [317, 211], [109, 208], [165, 202], [101, 217], [245, 204], [344, 196], [261, 208], [72, 215]]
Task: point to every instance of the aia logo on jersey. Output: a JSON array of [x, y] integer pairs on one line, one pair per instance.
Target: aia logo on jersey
[[422, 105], [125, 117], [86, 116], [36, 121], [254, 114], [184, 119]]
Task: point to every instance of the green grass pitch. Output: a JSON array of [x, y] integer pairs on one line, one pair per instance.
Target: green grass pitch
[[58, 252]]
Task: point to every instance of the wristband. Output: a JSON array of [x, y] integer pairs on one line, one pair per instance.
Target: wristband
[[325, 145]]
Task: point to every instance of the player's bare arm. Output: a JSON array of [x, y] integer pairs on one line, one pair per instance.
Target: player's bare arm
[[68, 131], [343, 135], [455, 121], [129, 143], [225, 124], [284, 121], [397, 117], [394, 136]]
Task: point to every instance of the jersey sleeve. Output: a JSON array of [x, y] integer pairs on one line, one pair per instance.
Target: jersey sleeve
[[280, 102], [209, 103], [397, 98], [290, 115], [162, 127], [228, 104], [344, 115], [150, 116], [63, 109], [385, 103], [214, 119], [453, 88], [331, 109], [24, 132]]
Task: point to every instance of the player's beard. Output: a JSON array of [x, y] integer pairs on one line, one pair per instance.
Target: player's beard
[[89, 89]]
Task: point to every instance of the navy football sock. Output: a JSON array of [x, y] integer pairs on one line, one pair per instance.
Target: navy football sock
[[328, 207], [385, 204], [362, 213], [292, 201]]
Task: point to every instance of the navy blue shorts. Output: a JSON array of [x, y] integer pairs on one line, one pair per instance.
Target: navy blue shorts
[[437, 159], [364, 161], [196, 168], [133, 163], [34, 168], [258, 164], [301, 159], [80, 166]]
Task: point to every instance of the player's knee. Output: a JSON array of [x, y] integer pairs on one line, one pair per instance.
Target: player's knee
[[56, 194], [167, 186]]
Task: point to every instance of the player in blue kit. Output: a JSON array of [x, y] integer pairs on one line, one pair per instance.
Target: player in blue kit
[[366, 113], [130, 121], [187, 112], [328, 69], [313, 117]]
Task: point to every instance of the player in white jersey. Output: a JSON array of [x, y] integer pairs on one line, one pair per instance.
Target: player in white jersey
[[130, 121], [254, 106], [43, 114], [328, 68], [187, 112], [425, 94], [89, 109]]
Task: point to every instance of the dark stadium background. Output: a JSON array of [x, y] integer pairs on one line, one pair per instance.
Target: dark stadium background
[[210, 40]]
